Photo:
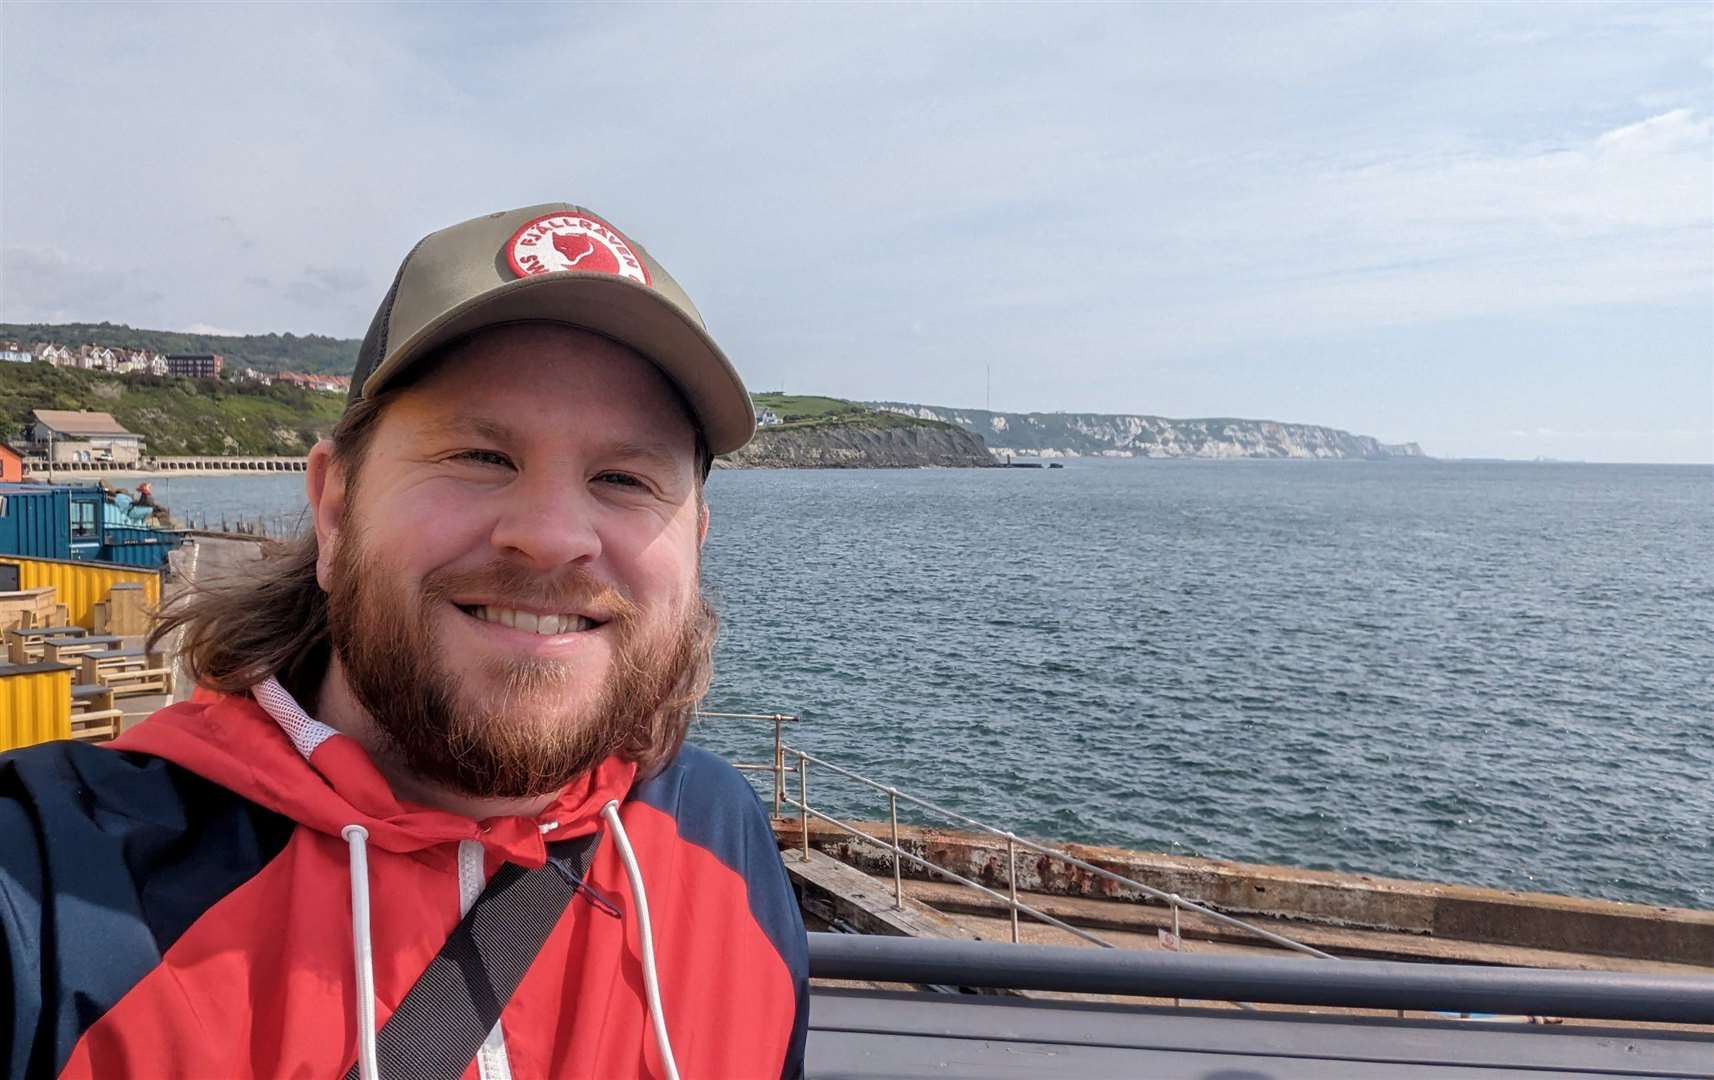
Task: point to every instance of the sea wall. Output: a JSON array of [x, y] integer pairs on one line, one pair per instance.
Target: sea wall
[[850, 446], [1363, 901]]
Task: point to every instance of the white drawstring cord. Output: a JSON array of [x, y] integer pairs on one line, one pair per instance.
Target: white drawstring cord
[[651, 984], [357, 836]]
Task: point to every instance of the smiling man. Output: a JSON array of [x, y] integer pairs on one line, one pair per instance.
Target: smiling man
[[430, 812]]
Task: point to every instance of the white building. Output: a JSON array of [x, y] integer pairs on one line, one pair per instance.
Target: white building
[[63, 435]]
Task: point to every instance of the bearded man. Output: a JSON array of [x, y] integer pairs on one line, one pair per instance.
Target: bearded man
[[430, 812]]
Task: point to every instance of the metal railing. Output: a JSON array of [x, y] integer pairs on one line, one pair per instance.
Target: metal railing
[[1015, 906]]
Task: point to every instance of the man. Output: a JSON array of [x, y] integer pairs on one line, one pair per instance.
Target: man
[[429, 812]]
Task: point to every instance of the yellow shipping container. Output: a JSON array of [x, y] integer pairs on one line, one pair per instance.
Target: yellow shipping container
[[35, 704], [81, 585]]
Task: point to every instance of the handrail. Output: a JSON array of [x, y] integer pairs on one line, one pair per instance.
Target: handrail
[[1013, 842], [1376, 984]]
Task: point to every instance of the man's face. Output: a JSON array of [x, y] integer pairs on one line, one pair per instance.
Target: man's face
[[512, 575]]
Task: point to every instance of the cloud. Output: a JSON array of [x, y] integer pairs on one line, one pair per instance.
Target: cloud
[[43, 283], [1123, 207], [322, 286]]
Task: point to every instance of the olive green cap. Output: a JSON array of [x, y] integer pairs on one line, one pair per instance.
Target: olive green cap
[[555, 263]]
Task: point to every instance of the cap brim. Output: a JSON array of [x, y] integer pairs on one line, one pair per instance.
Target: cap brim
[[614, 307]]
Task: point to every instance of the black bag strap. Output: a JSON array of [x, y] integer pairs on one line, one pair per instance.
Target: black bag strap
[[444, 1019]]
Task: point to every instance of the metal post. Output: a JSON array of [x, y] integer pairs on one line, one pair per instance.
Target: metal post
[[898, 876], [803, 800], [1177, 942], [1012, 878], [779, 767]]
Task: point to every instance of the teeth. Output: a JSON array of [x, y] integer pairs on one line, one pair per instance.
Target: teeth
[[545, 625]]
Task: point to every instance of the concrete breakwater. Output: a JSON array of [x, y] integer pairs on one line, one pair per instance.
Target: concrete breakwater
[[200, 465]]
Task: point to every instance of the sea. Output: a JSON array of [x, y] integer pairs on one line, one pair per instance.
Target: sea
[[1492, 674]]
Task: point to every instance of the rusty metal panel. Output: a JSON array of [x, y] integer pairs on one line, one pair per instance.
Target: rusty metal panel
[[35, 705], [81, 585]]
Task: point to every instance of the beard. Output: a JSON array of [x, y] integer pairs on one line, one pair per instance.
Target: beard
[[535, 729]]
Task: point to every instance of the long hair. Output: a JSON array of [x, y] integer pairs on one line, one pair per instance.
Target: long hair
[[270, 618]]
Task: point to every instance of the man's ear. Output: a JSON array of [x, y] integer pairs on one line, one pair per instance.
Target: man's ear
[[325, 483]]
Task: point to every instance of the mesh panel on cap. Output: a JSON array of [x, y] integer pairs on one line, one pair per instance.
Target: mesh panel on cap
[[374, 347]]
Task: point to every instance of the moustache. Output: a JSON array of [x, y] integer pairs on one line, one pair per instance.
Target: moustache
[[510, 585]]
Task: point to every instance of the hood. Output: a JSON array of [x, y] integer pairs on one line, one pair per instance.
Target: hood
[[283, 760]]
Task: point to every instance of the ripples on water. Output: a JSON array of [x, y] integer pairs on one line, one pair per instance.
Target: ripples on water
[[1495, 674]]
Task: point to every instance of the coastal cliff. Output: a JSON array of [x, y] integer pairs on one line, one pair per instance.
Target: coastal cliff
[[854, 444], [1118, 435]]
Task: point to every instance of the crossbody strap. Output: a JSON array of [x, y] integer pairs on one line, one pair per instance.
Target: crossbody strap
[[442, 1022]]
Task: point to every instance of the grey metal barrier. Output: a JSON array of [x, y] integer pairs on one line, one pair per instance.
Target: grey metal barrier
[[1375, 984]]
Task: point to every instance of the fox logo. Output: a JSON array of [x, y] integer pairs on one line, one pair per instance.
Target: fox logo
[[575, 242]]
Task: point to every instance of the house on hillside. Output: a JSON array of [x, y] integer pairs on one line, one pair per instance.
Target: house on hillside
[[251, 375], [46, 352], [140, 362], [13, 353], [195, 365], [330, 384], [63, 435], [767, 418], [96, 358]]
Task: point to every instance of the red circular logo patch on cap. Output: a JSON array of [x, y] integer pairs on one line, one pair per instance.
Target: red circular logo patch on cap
[[573, 241]]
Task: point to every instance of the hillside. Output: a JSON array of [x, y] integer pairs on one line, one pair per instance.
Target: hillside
[[1122, 435], [831, 433], [175, 416], [312, 353]]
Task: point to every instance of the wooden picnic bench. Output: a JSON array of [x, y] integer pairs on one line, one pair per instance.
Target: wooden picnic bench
[[94, 717], [112, 660], [127, 672], [24, 644], [58, 650]]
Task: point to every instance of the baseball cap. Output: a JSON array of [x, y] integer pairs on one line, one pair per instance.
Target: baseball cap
[[558, 263]]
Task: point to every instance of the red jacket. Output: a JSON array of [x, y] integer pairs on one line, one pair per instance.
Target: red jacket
[[182, 907]]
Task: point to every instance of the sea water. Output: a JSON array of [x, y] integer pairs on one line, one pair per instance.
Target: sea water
[[1497, 674]]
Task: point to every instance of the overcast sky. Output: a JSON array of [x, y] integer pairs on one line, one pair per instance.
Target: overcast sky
[[1489, 229]]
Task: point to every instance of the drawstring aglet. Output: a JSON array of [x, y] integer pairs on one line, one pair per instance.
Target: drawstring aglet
[[595, 896]]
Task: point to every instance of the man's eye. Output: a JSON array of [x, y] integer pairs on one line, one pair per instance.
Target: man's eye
[[484, 457], [622, 479]]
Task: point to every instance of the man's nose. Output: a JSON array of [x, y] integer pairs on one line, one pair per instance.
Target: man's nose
[[548, 522]]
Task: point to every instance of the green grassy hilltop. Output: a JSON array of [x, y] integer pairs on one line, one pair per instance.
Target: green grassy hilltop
[[798, 412], [175, 416]]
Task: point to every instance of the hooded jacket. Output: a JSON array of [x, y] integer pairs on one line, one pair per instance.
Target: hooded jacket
[[179, 903]]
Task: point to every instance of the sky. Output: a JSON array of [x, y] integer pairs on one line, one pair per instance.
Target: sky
[[1485, 228]]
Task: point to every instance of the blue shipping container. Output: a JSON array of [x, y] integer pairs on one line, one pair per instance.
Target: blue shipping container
[[35, 521], [77, 523]]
